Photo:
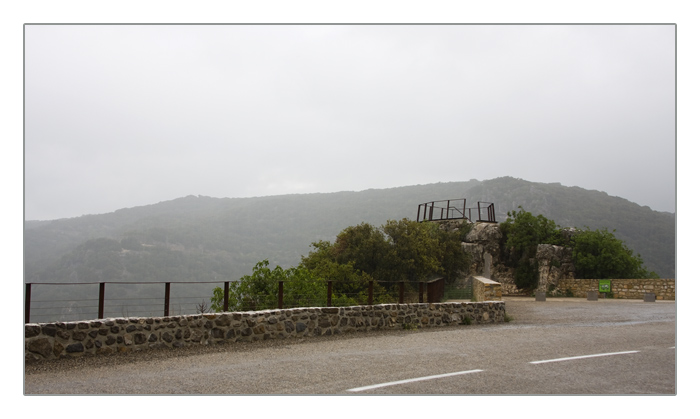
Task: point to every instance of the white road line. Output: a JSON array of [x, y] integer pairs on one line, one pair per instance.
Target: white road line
[[411, 380], [582, 356]]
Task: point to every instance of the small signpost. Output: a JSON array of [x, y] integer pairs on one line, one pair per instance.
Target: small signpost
[[604, 286]]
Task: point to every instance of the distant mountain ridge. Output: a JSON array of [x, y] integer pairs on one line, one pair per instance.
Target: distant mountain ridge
[[202, 238]]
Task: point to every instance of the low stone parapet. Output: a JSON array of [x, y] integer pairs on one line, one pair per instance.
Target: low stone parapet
[[43, 341], [484, 289], [665, 289]]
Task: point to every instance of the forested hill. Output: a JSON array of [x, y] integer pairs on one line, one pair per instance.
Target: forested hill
[[204, 239]]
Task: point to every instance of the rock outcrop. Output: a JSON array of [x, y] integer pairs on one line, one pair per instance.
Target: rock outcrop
[[484, 243]]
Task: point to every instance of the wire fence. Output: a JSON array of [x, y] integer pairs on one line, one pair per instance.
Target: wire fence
[[50, 302]]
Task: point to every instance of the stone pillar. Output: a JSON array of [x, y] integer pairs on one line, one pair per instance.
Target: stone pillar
[[487, 265]]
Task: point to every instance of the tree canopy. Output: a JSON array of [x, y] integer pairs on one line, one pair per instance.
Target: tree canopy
[[400, 250], [599, 254]]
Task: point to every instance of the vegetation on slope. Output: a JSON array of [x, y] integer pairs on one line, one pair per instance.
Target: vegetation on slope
[[401, 250]]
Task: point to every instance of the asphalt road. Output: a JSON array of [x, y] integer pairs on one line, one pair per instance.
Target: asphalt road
[[590, 347]]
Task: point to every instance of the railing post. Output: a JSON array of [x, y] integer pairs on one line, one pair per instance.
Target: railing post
[[420, 292], [101, 303], [418, 215], [478, 207], [401, 289], [448, 209], [280, 295], [226, 296], [370, 293], [166, 309], [464, 208], [27, 301], [329, 297]]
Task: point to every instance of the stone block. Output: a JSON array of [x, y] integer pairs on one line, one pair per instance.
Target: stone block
[[649, 297], [592, 295], [540, 296]]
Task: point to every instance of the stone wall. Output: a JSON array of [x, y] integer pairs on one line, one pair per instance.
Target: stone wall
[[56, 340], [484, 289], [665, 289]]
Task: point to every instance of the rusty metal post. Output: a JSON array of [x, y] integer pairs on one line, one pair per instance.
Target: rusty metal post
[[478, 207], [370, 293], [27, 301], [425, 208], [329, 297], [464, 208], [430, 217], [226, 296], [166, 309], [401, 289], [420, 292], [101, 303], [448, 209], [280, 295], [418, 215]]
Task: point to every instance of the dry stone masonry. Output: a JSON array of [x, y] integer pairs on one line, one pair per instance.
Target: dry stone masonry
[[665, 289], [45, 341], [485, 289]]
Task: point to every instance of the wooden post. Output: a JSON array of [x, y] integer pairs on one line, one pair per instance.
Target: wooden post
[[420, 292], [27, 301], [329, 297], [166, 309], [101, 303], [401, 289], [280, 295], [370, 296], [226, 296]]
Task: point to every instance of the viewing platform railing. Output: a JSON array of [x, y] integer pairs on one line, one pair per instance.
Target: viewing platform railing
[[456, 209]]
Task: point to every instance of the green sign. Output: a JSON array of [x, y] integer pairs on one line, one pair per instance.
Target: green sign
[[604, 285]]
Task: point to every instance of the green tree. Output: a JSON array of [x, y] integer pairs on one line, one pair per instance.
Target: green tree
[[259, 291], [522, 232], [414, 252], [600, 255], [364, 245]]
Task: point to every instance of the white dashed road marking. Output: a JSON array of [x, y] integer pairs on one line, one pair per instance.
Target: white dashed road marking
[[581, 357], [411, 380]]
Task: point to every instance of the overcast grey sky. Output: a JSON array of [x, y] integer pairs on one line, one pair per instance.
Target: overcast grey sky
[[120, 116]]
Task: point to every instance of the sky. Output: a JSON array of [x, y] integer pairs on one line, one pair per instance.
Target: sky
[[118, 116]]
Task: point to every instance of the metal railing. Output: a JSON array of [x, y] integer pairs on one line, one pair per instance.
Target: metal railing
[[373, 292], [456, 209]]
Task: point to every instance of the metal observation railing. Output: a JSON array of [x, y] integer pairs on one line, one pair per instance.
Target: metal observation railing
[[456, 209], [123, 303]]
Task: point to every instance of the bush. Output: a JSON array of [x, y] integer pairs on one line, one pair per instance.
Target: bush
[[600, 255]]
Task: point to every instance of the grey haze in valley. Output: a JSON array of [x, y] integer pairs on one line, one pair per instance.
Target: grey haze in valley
[[124, 115]]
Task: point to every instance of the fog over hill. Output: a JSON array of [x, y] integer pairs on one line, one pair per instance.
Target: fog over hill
[[197, 238]]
